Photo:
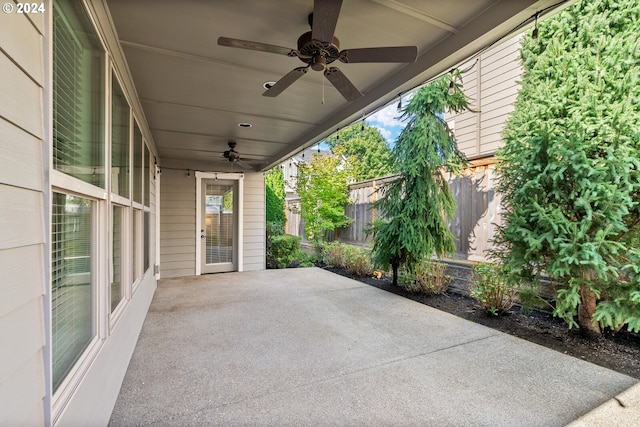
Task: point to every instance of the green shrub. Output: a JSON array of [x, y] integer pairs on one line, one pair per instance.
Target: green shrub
[[429, 278], [306, 259], [283, 250], [273, 229], [334, 254], [274, 186], [358, 261], [407, 279], [355, 260], [492, 289]]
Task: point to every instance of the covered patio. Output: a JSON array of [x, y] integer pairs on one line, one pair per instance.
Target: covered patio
[[308, 347]]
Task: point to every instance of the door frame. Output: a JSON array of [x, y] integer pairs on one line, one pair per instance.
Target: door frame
[[227, 176]]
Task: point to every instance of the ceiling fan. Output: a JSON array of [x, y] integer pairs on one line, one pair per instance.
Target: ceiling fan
[[319, 48], [231, 154]]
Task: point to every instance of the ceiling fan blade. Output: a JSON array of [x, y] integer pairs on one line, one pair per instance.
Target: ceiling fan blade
[[404, 54], [262, 47], [286, 81], [325, 18], [342, 83]]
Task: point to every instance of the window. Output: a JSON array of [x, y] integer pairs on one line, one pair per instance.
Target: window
[[119, 141], [147, 176], [136, 232], [100, 233], [137, 164], [145, 242], [118, 280], [78, 95], [72, 283]]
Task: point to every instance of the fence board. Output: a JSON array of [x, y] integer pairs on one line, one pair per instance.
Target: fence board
[[473, 226]]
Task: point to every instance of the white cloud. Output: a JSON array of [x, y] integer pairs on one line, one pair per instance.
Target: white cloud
[[387, 117], [387, 121], [386, 133]]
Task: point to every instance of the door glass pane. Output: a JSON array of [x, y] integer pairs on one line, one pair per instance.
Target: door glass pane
[[71, 282], [219, 223], [78, 94]]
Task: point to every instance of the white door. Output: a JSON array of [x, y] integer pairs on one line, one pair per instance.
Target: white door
[[219, 225]]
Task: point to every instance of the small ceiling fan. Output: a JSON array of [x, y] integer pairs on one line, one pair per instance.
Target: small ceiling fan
[[231, 154], [319, 48], [233, 157]]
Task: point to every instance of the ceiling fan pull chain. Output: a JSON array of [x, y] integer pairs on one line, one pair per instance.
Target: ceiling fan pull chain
[[322, 78]]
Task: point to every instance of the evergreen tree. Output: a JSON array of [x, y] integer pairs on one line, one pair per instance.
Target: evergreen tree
[[365, 148], [274, 186], [417, 203], [570, 165]]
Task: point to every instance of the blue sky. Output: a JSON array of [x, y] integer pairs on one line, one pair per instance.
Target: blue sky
[[387, 121]]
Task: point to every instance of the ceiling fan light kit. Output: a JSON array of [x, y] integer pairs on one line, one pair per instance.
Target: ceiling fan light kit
[[319, 48], [231, 154]]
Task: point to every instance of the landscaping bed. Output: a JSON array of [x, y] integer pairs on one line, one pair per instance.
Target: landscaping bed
[[617, 351]]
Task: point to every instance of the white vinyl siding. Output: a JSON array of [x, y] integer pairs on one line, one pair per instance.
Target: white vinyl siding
[[492, 84], [22, 232], [178, 224], [254, 222]]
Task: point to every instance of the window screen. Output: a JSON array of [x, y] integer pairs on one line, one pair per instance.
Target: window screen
[[78, 95], [119, 141], [72, 284]]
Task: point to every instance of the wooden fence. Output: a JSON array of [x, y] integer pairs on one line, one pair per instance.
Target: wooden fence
[[474, 225]]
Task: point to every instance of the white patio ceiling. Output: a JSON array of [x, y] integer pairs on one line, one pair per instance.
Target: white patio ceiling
[[195, 93]]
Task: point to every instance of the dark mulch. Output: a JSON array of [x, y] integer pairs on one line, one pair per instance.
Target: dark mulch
[[617, 351]]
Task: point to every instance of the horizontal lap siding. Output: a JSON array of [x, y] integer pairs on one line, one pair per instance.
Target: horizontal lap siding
[[492, 85], [465, 124], [253, 239], [500, 72], [177, 224], [22, 233]]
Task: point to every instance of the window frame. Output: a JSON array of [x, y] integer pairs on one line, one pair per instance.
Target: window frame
[[105, 108], [125, 270], [116, 195], [81, 366], [63, 183], [103, 199]]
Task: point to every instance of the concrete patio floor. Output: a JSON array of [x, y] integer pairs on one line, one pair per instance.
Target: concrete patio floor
[[307, 347]]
